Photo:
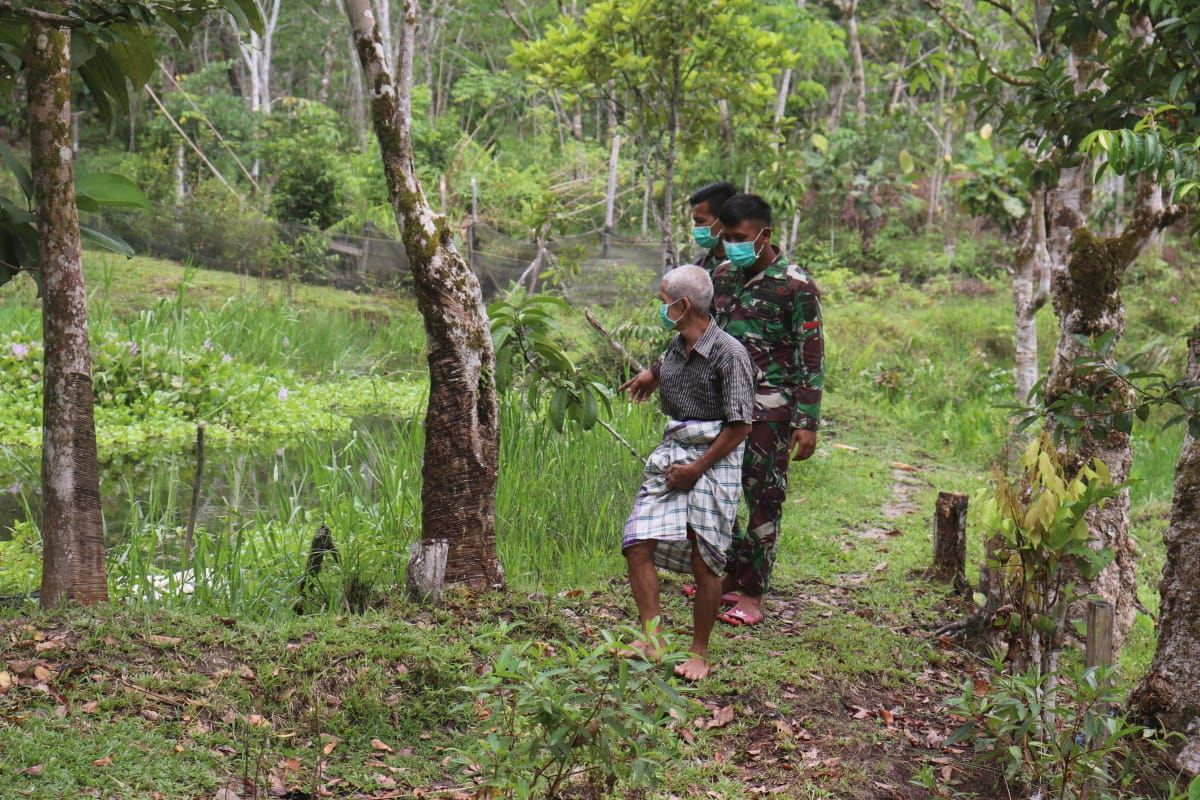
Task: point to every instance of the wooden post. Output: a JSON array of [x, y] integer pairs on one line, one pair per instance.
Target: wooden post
[[610, 195], [1099, 650], [194, 512], [950, 539], [473, 244], [365, 250]]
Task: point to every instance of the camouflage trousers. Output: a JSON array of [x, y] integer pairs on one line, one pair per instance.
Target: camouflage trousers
[[751, 555]]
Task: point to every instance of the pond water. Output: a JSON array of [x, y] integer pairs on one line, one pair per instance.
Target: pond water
[[237, 482]]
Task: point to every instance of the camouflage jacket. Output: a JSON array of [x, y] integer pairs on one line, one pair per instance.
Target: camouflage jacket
[[710, 260], [776, 314]]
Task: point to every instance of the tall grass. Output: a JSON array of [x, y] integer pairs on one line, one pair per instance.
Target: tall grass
[[561, 506]]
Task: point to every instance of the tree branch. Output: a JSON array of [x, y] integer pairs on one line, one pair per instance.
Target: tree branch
[[972, 40], [1012, 12], [58, 20]]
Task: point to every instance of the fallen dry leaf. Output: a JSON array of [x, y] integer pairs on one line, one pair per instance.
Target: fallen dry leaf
[[846, 447], [258, 721], [382, 746], [6, 681], [720, 718], [150, 715], [34, 770], [103, 762], [90, 707], [163, 641], [900, 465], [328, 748], [881, 566], [43, 673]]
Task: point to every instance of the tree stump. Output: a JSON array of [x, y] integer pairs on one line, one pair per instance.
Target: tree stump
[[950, 540]]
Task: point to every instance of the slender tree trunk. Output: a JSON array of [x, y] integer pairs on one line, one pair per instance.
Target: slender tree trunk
[[610, 193], [1170, 691], [458, 493], [856, 55], [1087, 300], [1031, 290], [72, 526]]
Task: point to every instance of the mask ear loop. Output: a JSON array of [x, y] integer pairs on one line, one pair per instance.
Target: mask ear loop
[[758, 252]]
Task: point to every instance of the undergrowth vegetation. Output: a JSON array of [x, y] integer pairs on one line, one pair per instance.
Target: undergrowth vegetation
[[311, 405]]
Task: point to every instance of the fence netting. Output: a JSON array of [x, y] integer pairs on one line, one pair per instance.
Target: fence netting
[[579, 265]]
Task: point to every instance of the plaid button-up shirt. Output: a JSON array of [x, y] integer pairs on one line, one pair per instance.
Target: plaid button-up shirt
[[715, 381]]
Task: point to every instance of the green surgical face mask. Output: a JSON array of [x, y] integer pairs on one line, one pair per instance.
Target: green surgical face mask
[[742, 254], [703, 236], [663, 319]]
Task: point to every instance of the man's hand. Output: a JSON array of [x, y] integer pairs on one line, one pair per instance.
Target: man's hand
[[641, 386], [682, 477], [803, 444]]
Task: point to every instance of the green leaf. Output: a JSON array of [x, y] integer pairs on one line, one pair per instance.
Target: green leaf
[[133, 52], [109, 190], [820, 143], [906, 162], [590, 412], [18, 170], [1194, 789], [105, 241], [558, 408]]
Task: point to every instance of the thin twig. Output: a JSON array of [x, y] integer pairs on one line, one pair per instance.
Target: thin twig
[[1012, 12], [973, 41], [612, 340], [621, 439]]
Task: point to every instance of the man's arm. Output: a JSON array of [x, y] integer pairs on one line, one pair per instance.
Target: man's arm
[[806, 378], [683, 477]]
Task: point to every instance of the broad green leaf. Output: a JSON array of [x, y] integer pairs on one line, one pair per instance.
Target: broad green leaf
[[24, 179], [105, 241], [110, 190], [906, 162], [820, 143]]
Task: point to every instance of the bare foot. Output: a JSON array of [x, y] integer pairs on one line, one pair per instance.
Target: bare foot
[[644, 651], [694, 669]]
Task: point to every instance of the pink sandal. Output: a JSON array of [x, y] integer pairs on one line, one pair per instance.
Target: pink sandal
[[688, 590], [737, 618]]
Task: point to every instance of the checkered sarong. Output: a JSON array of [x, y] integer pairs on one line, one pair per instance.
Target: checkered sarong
[[709, 509]]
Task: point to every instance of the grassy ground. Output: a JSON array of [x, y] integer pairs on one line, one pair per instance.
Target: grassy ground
[[837, 695]]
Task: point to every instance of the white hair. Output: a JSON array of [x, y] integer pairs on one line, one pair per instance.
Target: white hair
[[692, 282]]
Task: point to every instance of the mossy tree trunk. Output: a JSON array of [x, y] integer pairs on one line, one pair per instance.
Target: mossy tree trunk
[[462, 445], [1170, 691], [1031, 290], [1087, 300], [72, 527]]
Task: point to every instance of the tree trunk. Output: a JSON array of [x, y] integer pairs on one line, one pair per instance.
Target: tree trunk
[[1031, 290], [1087, 300], [1170, 691], [72, 526], [458, 492], [856, 54]]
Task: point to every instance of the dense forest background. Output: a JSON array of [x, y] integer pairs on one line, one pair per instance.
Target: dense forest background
[[856, 120]]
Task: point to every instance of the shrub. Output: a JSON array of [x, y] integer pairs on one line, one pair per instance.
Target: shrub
[[592, 719]]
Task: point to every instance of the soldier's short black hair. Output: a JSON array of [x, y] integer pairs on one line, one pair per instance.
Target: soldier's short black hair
[[715, 194], [742, 207]]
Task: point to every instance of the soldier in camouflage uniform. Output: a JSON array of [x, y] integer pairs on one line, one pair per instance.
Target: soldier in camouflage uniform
[[706, 204], [773, 308]]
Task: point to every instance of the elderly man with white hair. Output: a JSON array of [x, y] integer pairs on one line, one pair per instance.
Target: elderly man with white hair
[[684, 514]]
